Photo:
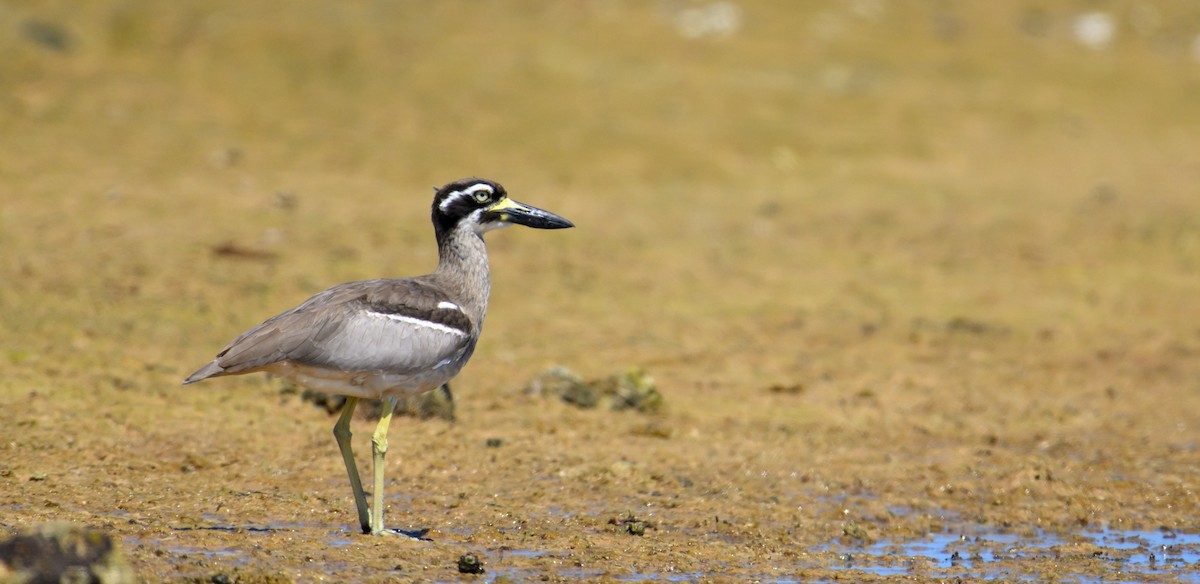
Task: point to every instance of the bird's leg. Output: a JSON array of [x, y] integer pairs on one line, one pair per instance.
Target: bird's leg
[[341, 431], [379, 446]]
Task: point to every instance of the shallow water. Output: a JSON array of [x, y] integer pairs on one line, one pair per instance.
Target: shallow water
[[984, 551]]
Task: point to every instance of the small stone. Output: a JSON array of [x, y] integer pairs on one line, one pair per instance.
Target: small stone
[[494, 442], [637, 528], [470, 564]]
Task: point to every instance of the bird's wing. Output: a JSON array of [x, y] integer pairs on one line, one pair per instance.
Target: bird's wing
[[397, 326]]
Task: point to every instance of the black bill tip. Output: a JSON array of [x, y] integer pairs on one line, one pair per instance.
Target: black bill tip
[[511, 211]]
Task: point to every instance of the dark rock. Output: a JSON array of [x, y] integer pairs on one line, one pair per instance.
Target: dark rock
[[564, 383], [634, 389], [630, 524], [48, 35], [63, 552], [438, 403], [470, 564], [788, 389]]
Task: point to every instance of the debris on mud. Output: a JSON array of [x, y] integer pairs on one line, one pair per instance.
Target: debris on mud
[[630, 524], [239, 575], [438, 403], [470, 564], [235, 251], [565, 384], [633, 389], [787, 389], [51, 36], [654, 429], [957, 326], [63, 552], [856, 534]]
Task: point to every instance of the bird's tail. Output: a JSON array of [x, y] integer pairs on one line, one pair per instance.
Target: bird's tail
[[205, 372]]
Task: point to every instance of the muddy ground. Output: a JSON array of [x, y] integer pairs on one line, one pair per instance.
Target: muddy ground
[[901, 273]]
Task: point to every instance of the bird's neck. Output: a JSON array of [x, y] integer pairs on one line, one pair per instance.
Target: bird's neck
[[463, 268]]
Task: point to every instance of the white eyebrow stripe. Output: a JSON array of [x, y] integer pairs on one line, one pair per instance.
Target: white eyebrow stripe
[[448, 305], [456, 195], [419, 322], [479, 187], [449, 200]]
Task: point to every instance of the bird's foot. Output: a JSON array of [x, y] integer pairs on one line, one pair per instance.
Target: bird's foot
[[415, 534]]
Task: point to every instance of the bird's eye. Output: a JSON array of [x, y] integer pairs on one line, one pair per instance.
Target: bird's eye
[[482, 196]]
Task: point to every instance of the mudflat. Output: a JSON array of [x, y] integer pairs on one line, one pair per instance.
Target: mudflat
[[918, 285]]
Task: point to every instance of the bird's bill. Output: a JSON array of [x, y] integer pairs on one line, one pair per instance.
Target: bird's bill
[[510, 211]]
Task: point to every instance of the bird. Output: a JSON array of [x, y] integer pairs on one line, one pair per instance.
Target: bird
[[389, 338]]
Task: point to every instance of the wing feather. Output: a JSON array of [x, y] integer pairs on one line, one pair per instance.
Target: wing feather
[[395, 326]]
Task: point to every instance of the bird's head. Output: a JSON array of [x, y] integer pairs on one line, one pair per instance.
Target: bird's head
[[483, 205]]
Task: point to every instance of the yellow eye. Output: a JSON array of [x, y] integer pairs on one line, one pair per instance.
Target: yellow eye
[[482, 196]]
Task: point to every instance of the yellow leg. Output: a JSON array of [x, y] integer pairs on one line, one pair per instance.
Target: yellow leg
[[379, 446], [341, 431]]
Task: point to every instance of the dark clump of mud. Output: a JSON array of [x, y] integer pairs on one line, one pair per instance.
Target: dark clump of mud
[[470, 564], [240, 575], [630, 525], [63, 552], [438, 403], [633, 389]]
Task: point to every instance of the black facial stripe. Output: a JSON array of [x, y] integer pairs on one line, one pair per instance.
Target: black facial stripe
[[455, 201]]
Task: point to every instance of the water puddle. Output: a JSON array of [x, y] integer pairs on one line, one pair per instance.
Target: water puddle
[[988, 552], [185, 547], [225, 556], [661, 577], [338, 539]]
